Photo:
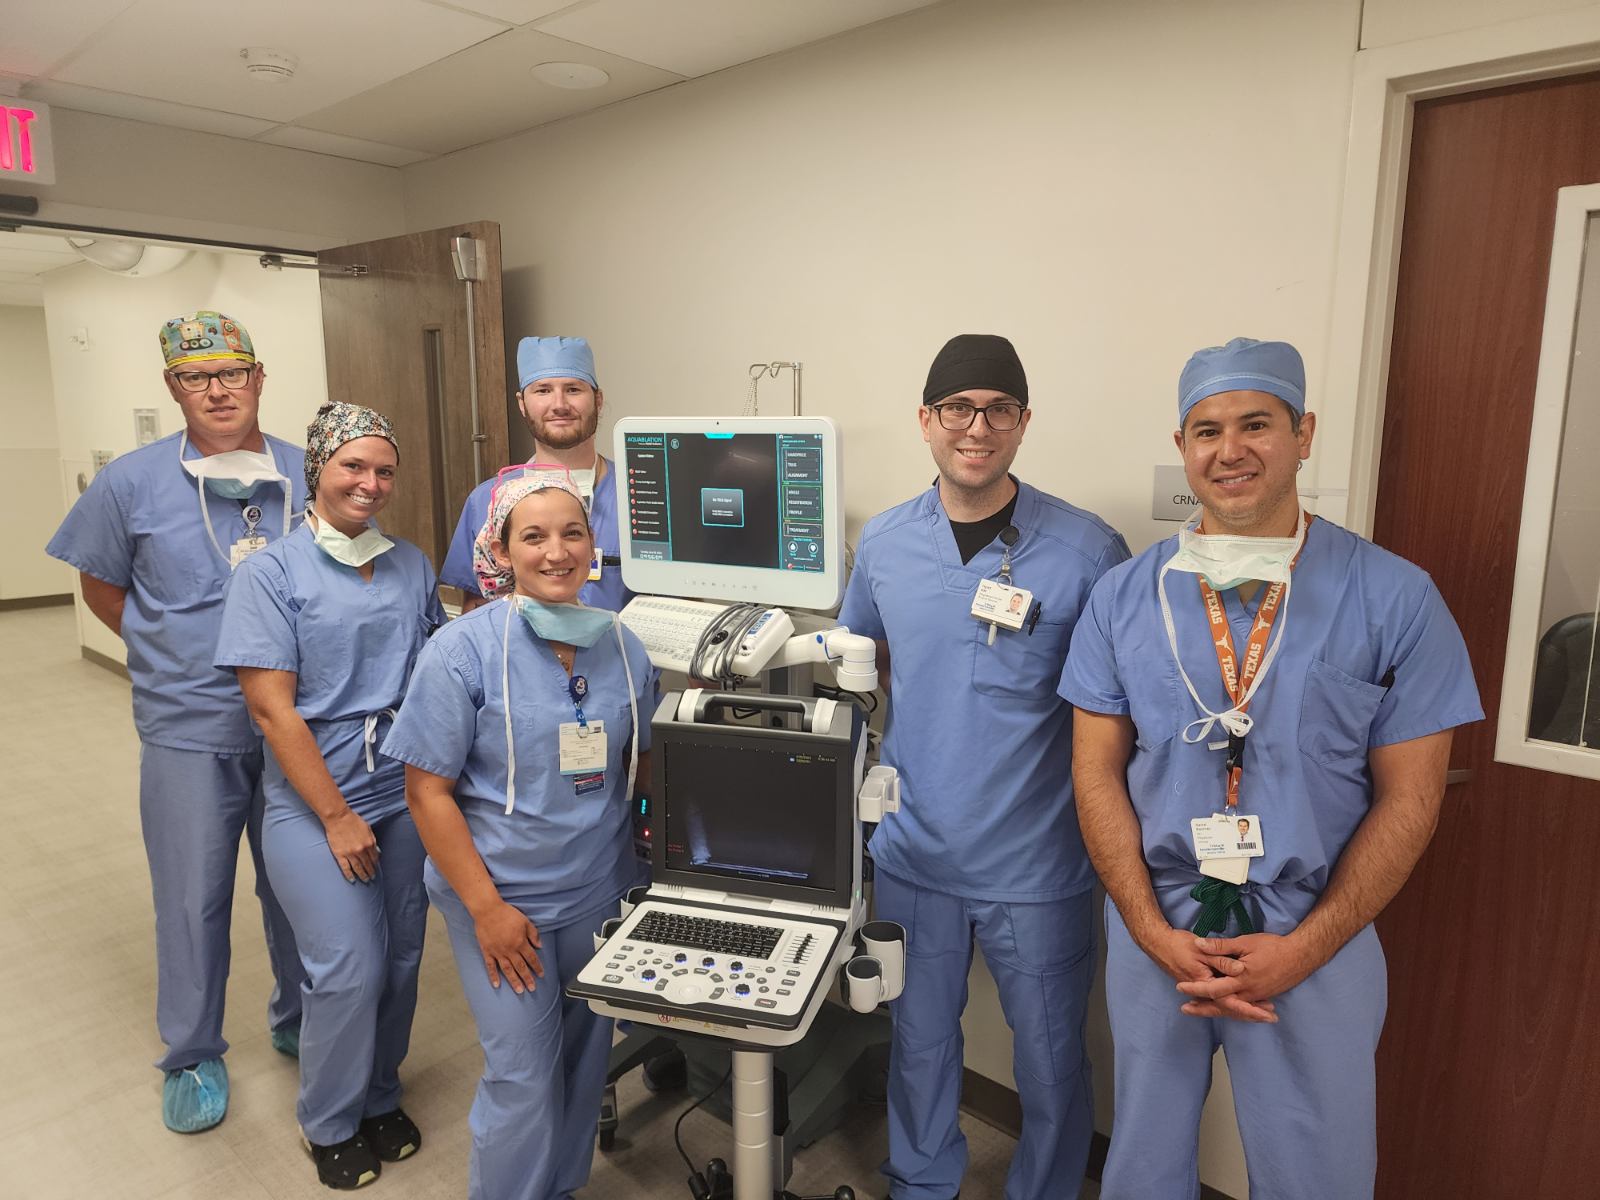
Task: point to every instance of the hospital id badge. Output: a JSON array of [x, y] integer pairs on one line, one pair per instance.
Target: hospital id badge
[[583, 748], [1001, 604], [594, 567], [1224, 836], [1224, 845], [244, 548]]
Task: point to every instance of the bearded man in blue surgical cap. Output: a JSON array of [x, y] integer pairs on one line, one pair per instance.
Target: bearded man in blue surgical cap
[[559, 396], [1263, 671]]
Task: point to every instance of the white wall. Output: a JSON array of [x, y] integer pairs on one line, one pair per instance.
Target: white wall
[[122, 174], [30, 492], [1110, 184], [97, 387], [1385, 22]]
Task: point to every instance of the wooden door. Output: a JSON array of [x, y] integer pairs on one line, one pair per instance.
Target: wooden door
[[396, 340], [1489, 1069]]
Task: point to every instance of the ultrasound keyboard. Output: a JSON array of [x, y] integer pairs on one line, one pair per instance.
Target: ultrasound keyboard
[[721, 965], [736, 938]]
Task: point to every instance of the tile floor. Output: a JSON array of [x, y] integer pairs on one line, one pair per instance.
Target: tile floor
[[80, 1106]]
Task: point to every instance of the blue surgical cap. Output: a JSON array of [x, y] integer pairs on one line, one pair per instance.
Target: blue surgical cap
[[1243, 365], [554, 358]]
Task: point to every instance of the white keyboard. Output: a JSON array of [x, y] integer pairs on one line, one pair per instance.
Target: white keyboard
[[725, 964], [670, 629]]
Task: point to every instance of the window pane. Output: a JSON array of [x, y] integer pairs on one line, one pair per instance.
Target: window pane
[[1566, 685]]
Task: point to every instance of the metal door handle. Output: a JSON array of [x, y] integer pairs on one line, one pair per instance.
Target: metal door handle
[[1459, 775]]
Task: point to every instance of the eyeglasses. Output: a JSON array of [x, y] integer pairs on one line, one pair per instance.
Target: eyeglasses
[[232, 378], [1003, 415]]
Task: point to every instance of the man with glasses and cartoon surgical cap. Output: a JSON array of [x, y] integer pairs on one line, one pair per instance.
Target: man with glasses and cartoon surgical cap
[[155, 539], [1265, 704], [971, 590]]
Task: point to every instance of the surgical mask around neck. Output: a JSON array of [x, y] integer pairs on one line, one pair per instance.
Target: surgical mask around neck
[[355, 551], [575, 624], [1227, 560], [233, 475], [1233, 563], [584, 481]]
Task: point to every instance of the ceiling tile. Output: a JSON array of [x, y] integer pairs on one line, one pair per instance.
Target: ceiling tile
[[482, 94], [695, 37], [37, 35], [140, 108], [343, 48], [342, 147], [517, 12]]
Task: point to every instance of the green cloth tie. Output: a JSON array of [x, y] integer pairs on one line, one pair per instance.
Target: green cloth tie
[[1218, 902]]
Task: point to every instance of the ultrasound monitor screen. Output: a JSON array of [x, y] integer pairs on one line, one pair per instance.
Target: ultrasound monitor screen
[[752, 813], [732, 499]]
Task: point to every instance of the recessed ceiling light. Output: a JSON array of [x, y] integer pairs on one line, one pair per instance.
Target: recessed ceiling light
[[570, 75], [267, 65]]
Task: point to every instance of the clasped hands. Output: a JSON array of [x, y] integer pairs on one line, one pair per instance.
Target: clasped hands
[[1233, 977]]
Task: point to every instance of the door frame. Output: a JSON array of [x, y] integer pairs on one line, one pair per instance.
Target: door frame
[[1386, 85]]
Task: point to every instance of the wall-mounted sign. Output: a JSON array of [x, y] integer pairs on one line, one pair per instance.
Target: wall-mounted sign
[[26, 154], [1171, 499]]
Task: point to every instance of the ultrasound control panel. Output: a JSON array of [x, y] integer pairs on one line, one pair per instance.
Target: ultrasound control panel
[[718, 964]]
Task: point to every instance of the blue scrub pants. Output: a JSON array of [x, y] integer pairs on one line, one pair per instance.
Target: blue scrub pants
[[1042, 959], [361, 944], [193, 805], [1303, 1089], [544, 1065]]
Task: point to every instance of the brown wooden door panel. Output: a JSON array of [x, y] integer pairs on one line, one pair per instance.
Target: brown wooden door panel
[[1489, 1069], [396, 340]]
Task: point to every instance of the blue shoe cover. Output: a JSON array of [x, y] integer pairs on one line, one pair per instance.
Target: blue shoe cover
[[195, 1098], [287, 1040]]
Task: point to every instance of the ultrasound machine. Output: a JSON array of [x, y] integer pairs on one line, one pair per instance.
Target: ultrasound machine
[[755, 906]]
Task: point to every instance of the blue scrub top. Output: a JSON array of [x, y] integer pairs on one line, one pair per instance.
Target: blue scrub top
[[138, 526], [351, 645], [1355, 613], [981, 741], [606, 592], [563, 852]]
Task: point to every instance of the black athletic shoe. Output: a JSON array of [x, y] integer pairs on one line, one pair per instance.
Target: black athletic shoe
[[392, 1135], [345, 1165]]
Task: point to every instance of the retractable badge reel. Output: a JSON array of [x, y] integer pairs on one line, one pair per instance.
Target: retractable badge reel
[[998, 602], [251, 541]]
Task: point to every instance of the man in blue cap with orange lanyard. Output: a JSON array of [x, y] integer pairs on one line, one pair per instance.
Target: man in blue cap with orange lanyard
[[559, 397], [1268, 667], [155, 539], [972, 590]]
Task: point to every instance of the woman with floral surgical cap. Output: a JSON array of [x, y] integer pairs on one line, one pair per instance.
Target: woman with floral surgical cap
[[524, 730], [323, 628]]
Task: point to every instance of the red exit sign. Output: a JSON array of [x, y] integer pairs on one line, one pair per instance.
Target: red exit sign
[[25, 150]]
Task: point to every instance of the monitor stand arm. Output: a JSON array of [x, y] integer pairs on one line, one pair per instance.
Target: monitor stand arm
[[852, 657]]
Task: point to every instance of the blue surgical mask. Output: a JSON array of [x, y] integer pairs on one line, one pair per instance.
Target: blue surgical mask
[[229, 489], [574, 624], [234, 474], [355, 551]]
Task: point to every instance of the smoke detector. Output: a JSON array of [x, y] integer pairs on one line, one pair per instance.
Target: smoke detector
[[268, 66], [570, 75]]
